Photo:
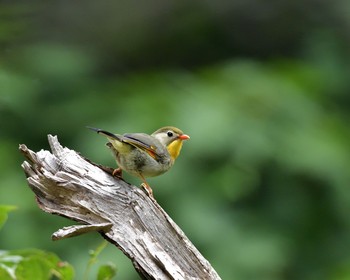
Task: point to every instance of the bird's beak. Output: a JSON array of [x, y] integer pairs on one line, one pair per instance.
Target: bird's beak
[[184, 137]]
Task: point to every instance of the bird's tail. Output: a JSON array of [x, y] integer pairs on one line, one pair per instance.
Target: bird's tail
[[106, 133]]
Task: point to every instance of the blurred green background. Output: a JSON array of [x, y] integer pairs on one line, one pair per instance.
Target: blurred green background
[[262, 87]]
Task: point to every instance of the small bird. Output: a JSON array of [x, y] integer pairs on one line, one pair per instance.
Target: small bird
[[144, 155]]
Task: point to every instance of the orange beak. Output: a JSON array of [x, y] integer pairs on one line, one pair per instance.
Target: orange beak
[[184, 137]]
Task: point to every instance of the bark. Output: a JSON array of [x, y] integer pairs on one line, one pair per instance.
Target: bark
[[69, 185]]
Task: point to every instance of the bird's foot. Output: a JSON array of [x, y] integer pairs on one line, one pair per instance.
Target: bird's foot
[[118, 172], [147, 189]]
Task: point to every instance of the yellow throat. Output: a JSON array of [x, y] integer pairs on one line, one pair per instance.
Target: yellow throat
[[174, 148]]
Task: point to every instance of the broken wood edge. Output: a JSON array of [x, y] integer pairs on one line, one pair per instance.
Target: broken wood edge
[[75, 230]]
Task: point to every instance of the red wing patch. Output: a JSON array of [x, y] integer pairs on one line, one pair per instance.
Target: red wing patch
[[149, 149], [151, 153]]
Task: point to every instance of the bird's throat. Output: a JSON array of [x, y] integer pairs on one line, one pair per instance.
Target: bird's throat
[[174, 148]]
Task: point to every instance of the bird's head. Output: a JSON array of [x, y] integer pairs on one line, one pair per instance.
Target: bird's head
[[172, 138]]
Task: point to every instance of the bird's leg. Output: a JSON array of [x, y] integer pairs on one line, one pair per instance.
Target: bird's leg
[[118, 172], [146, 187]]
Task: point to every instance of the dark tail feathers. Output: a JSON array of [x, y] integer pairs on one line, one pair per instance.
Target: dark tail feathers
[[103, 132]]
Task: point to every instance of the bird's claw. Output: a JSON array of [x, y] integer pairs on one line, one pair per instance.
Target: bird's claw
[[147, 189], [118, 172]]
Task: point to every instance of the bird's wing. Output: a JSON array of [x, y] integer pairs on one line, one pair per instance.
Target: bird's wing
[[144, 142], [141, 141]]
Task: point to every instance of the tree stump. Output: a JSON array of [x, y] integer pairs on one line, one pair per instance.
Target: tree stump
[[69, 185]]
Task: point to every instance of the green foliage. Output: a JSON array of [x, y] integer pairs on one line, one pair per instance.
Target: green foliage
[[37, 264], [265, 169], [33, 264], [27, 264], [262, 187], [4, 210], [106, 272]]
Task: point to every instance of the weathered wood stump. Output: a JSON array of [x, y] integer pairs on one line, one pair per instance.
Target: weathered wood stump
[[69, 185]]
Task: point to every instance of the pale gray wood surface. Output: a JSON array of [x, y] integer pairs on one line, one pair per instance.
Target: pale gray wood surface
[[69, 185]]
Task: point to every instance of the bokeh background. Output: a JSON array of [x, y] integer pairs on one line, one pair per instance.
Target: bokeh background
[[262, 87]]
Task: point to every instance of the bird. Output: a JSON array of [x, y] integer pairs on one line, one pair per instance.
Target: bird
[[143, 155]]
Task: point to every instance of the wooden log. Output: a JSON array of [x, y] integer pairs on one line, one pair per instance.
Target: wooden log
[[67, 184]]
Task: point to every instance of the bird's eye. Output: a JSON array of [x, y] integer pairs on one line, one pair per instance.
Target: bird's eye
[[170, 133]]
